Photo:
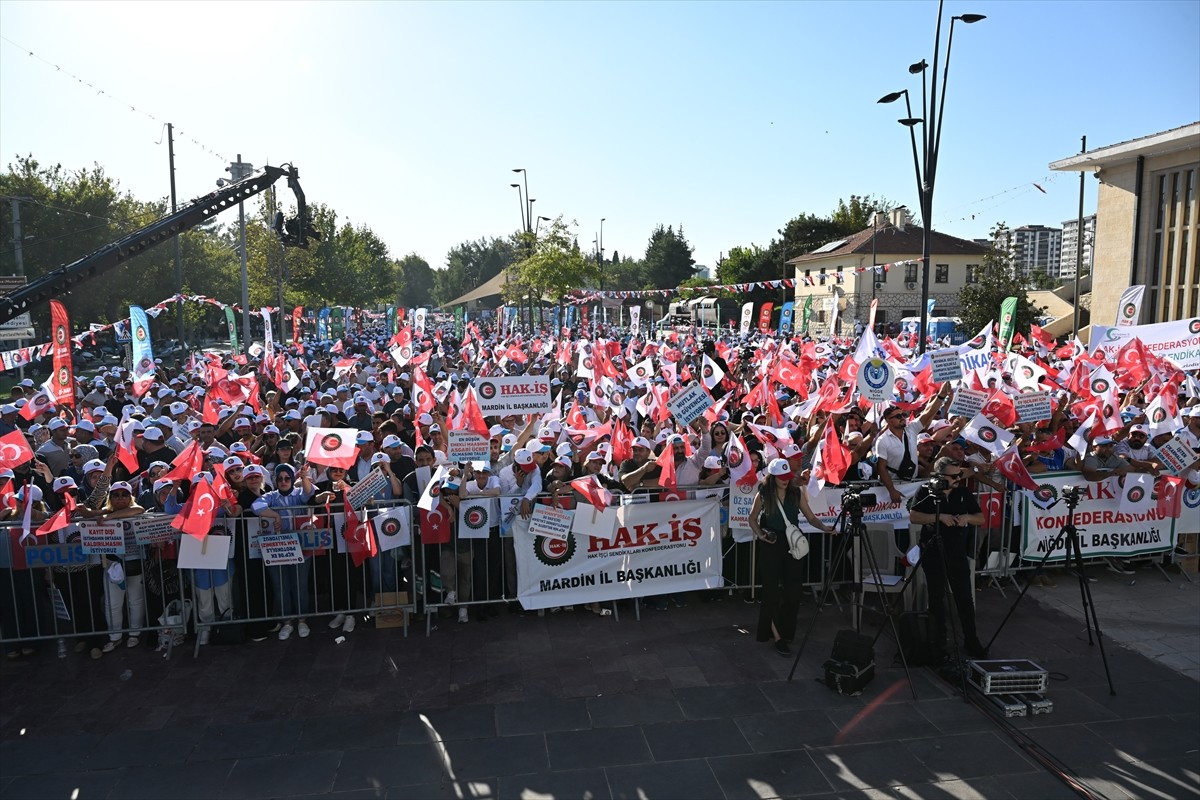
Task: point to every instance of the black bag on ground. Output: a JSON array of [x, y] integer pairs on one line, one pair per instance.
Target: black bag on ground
[[851, 666], [916, 639]]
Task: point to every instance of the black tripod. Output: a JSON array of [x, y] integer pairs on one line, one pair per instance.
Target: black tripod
[[1072, 496], [851, 522]]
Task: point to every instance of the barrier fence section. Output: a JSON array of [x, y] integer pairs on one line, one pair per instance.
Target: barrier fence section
[[99, 583]]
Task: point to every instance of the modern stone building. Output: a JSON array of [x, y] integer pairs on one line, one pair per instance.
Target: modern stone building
[[956, 263], [1146, 223], [1033, 248], [1070, 240]]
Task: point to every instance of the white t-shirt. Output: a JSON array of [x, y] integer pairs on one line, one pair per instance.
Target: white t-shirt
[[890, 447]]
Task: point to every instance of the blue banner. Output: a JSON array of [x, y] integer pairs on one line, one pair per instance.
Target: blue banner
[[143, 353], [785, 317], [323, 325]]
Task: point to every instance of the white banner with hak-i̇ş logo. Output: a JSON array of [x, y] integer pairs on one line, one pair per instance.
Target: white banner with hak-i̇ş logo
[[1104, 529], [658, 548], [518, 395]]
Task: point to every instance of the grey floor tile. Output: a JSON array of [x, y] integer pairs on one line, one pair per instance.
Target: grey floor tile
[[178, 781], [633, 708], [446, 790], [787, 730], [693, 780], [33, 754], [1152, 737], [136, 748], [880, 723], [803, 694], [84, 785], [462, 722], [579, 784], [969, 755], [691, 739], [601, 747], [490, 758], [878, 764], [713, 702], [246, 740], [769, 775], [282, 776], [348, 732], [542, 715], [402, 765]]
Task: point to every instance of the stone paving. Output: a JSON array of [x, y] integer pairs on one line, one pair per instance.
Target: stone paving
[[681, 704]]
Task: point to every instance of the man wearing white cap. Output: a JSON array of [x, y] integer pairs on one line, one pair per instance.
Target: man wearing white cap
[[57, 451]]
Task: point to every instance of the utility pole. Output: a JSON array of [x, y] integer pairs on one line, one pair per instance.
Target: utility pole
[[18, 251], [1078, 247], [238, 170], [175, 238]]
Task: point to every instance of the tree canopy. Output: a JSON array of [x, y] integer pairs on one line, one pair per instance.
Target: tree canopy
[[998, 279]]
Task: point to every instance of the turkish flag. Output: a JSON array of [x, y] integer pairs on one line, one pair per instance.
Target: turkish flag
[[126, 451], [622, 442], [471, 418], [435, 525], [1131, 364], [331, 447], [61, 518], [186, 464], [666, 462], [15, 450], [992, 504], [1000, 408], [197, 516], [360, 541], [1170, 496], [834, 456], [1012, 467], [593, 492]]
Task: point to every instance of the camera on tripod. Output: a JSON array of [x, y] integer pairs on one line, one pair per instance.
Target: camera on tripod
[[856, 497], [1073, 494], [937, 483]]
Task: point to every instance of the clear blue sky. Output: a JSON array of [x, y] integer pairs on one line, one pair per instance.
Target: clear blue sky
[[725, 118]]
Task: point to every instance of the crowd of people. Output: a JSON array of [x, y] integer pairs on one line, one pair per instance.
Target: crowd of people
[[785, 414]]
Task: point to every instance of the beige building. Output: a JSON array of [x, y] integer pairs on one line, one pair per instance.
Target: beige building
[[956, 263], [1146, 223]]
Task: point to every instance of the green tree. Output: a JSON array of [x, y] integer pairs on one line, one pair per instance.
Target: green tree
[[471, 264], [1038, 279], [668, 259], [553, 267], [414, 281], [998, 279]]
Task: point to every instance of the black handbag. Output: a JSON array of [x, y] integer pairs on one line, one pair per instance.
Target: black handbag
[[851, 665]]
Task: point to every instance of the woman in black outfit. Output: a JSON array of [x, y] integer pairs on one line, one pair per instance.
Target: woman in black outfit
[[782, 576]]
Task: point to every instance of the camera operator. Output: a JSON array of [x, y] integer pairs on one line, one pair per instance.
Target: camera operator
[[946, 548]]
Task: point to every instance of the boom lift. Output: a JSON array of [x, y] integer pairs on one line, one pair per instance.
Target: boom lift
[[293, 232]]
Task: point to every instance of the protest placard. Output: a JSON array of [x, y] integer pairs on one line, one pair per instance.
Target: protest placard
[[280, 548], [1176, 456], [690, 403], [1033, 406], [553, 523], [211, 552], [945, 365], [876, 380], [467, 446], [968, 402], [102, 540], [361, 493], [152, 531]]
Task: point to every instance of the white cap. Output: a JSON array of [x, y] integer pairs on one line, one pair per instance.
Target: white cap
[[120, 486], [425, 419], [380, 458], [35, 493], [508, 442], [177, 408], [791, 451], [563, 449], [563, 461], [233, 462], [712, 462], [391, 440], [162, 483], [270, 429], [642, 441], [363, 437], [85, 425], [523, 457], [57, 423], [779, 467], [153, 435], [95, 465], [65, 482]]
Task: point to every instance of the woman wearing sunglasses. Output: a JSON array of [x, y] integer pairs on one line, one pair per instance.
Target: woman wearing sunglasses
[[947, 511], [122, 576]]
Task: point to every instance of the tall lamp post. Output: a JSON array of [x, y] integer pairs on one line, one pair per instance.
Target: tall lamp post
[[600, 267], [932, 107]]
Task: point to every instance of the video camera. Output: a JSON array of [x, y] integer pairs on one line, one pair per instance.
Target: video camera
[[1073, 494], [857, 496]]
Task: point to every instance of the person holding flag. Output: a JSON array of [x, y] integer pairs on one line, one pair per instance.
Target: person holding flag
[[289, 582]]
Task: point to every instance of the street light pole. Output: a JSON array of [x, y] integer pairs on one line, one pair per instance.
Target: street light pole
[[600, 267], [932, 107], [1078, 246]]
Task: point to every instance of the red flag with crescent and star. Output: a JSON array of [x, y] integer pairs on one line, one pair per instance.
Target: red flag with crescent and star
[[197, 515]]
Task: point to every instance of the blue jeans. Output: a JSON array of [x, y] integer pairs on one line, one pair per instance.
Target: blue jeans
[[383, 572], [289, 589]]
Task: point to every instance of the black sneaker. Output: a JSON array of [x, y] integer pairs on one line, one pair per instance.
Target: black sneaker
[[782, 648]]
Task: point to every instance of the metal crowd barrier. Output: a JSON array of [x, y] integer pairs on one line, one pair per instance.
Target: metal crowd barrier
[[54, 591]]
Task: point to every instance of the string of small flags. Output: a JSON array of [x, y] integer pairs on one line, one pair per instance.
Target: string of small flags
[[591, 295]]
